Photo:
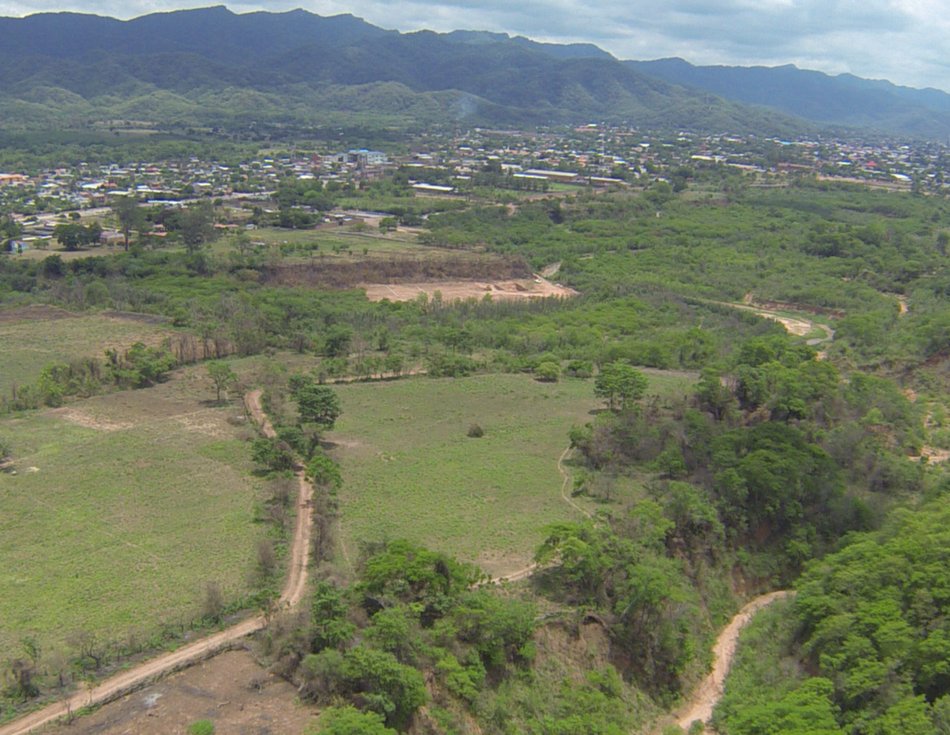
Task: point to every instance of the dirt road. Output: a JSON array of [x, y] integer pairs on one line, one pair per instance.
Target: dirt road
[[296, 582], [704, 699], [128, 681]]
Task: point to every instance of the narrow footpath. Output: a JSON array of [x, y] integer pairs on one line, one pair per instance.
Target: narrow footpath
[[149, 671], [706, 696]]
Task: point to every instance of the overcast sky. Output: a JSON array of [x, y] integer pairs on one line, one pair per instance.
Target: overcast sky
[[905, 41]]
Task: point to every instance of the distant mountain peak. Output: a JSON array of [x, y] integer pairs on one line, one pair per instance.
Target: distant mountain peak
[[844, 99]]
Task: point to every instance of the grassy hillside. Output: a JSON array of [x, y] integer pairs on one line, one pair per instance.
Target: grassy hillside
[[122, 508], [412, 472], [33, 338]]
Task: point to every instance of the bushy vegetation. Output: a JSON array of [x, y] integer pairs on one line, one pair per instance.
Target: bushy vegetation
[[773, 462], [863, 644]]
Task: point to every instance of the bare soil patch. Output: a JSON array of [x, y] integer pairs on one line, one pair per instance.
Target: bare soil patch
[[88, 421], [507, 290], [231, 690], [932, 454], [797, 327]]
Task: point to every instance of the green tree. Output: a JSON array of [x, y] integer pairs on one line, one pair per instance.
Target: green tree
[[350, 721], [10, 230], [73, 236], [324, 471], [807, 710], [547, 372], [196, 225], [329, 627], [337, 341], [316, 404], [222, 376], [272, 454], [129, 216], [620, 383], [388, 687]]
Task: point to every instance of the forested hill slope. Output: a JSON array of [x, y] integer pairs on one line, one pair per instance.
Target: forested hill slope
[[842, 100], [213, 66]]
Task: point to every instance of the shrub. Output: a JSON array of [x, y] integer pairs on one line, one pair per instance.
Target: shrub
[[475, 431], [201, 727], [547, 372]]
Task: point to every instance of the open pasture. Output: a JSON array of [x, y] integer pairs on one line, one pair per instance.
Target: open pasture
[[34, 337], [411, 471], [122, 508], [338, 242]]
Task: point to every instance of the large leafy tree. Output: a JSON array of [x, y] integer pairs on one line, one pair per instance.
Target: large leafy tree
[[196, 225], [316, 404], [621, 384], [129, 216]]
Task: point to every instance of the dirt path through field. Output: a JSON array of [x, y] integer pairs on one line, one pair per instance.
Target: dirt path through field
[[149, 671], [704, 699], [565, 481]]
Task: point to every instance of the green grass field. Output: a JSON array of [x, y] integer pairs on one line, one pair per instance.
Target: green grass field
[[331, 238], [410, 470], [122, 508], [31, 342]]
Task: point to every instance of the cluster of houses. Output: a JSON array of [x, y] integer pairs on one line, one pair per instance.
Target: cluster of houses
[[591, 155]]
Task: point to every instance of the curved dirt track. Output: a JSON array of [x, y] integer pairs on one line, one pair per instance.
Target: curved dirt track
[[527, 571], [705, 697], [138, 676]]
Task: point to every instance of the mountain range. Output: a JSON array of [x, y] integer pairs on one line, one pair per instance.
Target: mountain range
[[212, 66]]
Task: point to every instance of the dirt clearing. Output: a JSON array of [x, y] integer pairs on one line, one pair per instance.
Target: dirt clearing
[[509, 290], [231, 690]]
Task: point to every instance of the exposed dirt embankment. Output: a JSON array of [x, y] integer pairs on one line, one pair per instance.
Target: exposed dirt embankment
[[346, 274]]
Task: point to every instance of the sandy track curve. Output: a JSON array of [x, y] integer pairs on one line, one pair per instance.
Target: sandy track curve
[[128, 681], [527, 571], [705, 697]]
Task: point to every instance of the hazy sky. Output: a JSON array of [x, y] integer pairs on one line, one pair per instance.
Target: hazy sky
[[905, 41]]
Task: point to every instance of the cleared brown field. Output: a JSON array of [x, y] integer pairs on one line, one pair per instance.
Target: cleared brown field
[[508, 290]]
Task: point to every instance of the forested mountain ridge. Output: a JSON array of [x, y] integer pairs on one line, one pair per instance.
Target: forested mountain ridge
[[211, 66], [841, 100]]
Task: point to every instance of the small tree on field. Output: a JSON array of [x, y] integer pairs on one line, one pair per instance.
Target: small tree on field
[[222, 376], [324, 471], [621, 384], [316, 404], [130, 217], [197, 225]]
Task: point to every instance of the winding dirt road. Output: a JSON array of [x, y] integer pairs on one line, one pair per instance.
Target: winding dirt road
[[149, 671], [705, 697]]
